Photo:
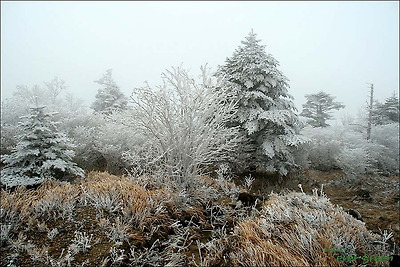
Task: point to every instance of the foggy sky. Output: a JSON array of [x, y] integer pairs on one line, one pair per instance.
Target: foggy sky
[[336, 47]]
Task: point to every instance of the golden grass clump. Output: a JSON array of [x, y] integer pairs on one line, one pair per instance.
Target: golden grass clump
[[198, 225], [120, 196], [296, 229], [17, 205], [50, 200]]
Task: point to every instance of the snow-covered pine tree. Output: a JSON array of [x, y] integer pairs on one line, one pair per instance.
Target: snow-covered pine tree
[[266, 112], [318, 108], [109, 98], [387, 112], [42, 152], [392, 108]]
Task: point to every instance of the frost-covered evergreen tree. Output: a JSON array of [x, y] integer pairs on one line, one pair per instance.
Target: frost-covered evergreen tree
[[318, 108], [265, 110], [109, 98], [392, 108], [42, 152], [386, 113]]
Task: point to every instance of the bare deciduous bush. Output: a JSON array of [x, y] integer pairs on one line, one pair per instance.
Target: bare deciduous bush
[[248, 182], [346, 148], [182, 125], [224, 180], [387, 156], [87, 154], [101, 142]]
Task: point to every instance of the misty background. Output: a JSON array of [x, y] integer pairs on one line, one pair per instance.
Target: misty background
[[336, 47]]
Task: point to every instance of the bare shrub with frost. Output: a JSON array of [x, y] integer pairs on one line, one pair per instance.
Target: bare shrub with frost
[[52, 234], [203, 191], [218, 214], [248, 182], [20, 244], [85, 140], [224, 180], [101, 142], [382, 244], [116, 256], [65, 259], [146, 257], [324, 149], [112, 140], [346, 147], [178, 243], [117, 231], [42, 227], [81, 242], [182, 125], [387, 153], [12, 259], [213, 252]]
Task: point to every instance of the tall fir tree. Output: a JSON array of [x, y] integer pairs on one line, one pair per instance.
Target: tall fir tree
[[109, 97], [386, 113], [42, 152], [392, 109], [318, 108], [265, 112]]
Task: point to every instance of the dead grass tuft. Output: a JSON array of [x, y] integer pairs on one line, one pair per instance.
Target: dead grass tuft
[[296, 229], [105, 218]]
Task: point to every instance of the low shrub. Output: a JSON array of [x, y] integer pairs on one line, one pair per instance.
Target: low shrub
[[346, 148]]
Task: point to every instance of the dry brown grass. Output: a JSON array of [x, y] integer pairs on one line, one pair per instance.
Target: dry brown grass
[[382, 211], [160, 226], [295, 229], [123, 212], [50, 200]]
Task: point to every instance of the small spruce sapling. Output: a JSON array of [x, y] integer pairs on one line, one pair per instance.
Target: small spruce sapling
[[42, 152], [109, 97]]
